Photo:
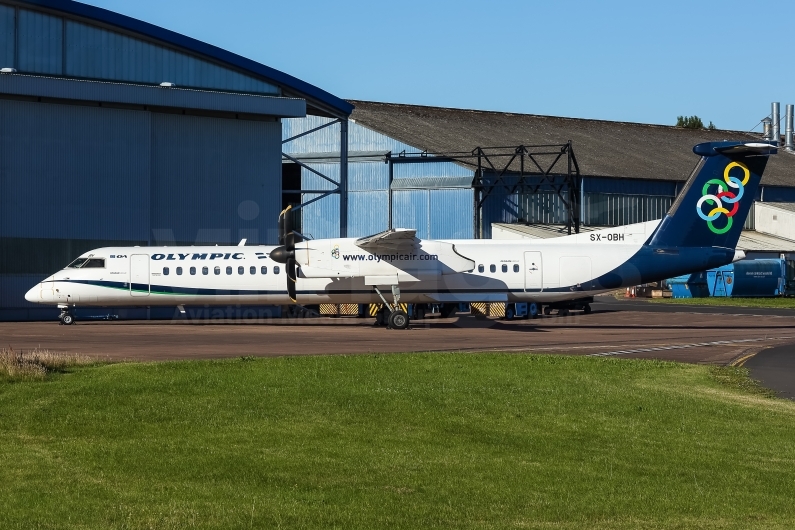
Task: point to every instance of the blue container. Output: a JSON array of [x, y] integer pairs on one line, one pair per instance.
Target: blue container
[[751, 278], [759, 277]]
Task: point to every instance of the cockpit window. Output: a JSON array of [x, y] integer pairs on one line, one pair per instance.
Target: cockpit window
[[87, 263]]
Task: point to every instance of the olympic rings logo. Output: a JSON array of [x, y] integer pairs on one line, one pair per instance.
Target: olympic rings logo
[[722, 196]]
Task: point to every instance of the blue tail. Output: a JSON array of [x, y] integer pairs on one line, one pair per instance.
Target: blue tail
[[712, 207]]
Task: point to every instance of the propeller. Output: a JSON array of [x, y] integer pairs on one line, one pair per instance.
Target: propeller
[[286, 252]]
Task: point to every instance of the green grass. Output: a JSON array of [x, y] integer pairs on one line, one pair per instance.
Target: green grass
[[396, 441], [777, 303]]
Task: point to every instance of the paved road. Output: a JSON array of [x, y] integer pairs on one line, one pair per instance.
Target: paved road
[[609, 303], [775, 368], [687, 337]]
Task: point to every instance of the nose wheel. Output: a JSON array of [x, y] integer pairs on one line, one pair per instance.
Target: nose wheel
[[66, 317]]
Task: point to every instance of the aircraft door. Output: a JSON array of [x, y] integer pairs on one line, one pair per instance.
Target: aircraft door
[[139, 275], [532, 271]]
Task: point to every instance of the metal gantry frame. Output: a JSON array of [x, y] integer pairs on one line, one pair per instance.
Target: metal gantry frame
[[341, 186], [528, 169]]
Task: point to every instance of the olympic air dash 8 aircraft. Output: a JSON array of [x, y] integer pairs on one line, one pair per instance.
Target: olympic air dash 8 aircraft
[[699, 232]]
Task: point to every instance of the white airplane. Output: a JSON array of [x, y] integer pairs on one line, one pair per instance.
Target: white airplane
[[699, 232]]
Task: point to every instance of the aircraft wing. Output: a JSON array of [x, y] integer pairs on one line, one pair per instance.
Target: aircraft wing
[[389, 238]]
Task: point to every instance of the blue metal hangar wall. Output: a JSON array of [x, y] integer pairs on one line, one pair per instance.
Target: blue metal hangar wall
[[95, 152], [628, 172]]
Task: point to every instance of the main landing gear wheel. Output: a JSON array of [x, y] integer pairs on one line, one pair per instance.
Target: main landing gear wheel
[[547, 310], [398, 319], [563, 312], [586, 308], [67, 319]]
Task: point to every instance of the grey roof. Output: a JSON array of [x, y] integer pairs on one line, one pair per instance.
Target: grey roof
[[603, 148], [750, 240], [788, 206], [426, 183]]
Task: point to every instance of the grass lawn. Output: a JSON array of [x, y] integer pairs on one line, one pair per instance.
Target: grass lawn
[[778, 303], [396, 441]]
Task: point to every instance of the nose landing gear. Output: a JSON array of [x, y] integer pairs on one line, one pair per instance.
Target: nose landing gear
[[66, 317]]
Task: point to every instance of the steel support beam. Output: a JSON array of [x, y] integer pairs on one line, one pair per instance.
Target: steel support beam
[[343, 185]]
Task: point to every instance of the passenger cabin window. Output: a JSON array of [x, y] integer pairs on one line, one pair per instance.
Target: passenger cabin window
[[276, 269], [179, 271], [87, 263], [165, 271], [493, 268], [264, 270], [504, 267], [241, 270], [205, 271], [515, 267], [252, 270], [217, 270], [481, 268], [229, 270], [193, 271]]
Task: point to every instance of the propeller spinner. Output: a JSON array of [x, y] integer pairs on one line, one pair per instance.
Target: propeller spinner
[[286, 253]]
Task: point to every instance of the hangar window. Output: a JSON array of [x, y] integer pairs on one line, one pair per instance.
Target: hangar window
[[264, 270], [515, 267], [493, 268], [179, 271], [229, 270], [241, 270], [165, 271], [192, 271], [217, 270], [276, 269], [205, 270], [481, 268], [504, 267], [252, 270]]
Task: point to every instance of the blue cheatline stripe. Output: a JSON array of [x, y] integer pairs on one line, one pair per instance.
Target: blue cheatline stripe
[[195, 291]]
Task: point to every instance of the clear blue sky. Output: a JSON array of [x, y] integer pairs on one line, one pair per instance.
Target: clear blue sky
[[632, 61]]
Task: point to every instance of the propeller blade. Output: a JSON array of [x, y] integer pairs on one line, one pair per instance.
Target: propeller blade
[[290, 269]]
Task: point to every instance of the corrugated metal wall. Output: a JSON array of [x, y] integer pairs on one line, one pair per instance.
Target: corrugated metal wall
[[7, 36], [97, 53], [73, 178], [66, 169], [605, 209], [40, 43], [327, 140], [215, 180]]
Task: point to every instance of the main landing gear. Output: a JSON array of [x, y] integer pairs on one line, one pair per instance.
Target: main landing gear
[[66, 317], [397, 318]]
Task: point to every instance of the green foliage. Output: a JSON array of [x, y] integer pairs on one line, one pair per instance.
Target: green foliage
[[690, 122], [396, 441], [719, 301]]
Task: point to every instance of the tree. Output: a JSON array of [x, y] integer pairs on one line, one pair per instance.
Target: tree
[[690, 122]]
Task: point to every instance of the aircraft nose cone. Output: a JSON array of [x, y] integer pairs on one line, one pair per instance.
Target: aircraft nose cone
[[33, 294]]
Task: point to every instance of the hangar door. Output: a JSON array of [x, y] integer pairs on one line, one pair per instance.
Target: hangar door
[[139, 275], [532, 271]]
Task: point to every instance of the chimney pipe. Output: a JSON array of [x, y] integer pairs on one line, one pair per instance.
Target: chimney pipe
[[776, 122], [789, 140], [767, 129]]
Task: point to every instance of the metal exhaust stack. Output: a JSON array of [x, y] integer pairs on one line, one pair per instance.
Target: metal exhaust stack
[[776, 123], [789, 141], [767, 129]]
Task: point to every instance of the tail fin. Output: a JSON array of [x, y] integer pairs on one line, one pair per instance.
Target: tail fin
[[712, 207]]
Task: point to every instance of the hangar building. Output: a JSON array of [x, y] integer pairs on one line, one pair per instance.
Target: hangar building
[[114, 131], [407, 170]]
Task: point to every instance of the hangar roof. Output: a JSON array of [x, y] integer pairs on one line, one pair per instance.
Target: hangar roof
[[318, 101], [603, 148]]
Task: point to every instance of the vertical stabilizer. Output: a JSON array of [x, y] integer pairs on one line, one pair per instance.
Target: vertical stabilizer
[[711, 209]]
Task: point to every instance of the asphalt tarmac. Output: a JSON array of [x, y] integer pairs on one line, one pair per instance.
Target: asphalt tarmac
[[775, 369], [616, 329]]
